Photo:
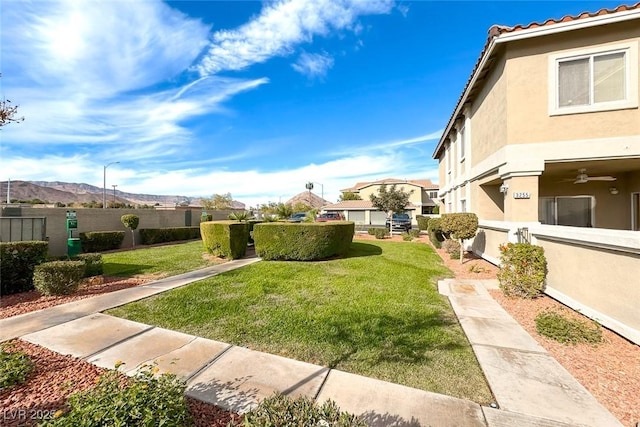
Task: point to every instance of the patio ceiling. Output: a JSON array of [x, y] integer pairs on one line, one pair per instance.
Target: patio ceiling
[[594, 167]]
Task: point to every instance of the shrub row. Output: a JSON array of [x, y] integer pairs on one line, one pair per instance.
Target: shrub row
[[58, 277], [149, 236], [99, 241], [227, 239], [17, 263], [423, 222], [303, 241]]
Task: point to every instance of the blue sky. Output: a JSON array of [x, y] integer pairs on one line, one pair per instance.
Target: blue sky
[[256, 99]]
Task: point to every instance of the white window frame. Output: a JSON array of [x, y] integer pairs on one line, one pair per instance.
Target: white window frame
[[630, 50], [448, 154], [463, 205], [463, 143]]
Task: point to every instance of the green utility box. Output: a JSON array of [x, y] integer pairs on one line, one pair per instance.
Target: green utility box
[[74, 246]]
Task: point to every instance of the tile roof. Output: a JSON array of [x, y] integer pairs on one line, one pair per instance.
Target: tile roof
[[498, 30], [424, 183]]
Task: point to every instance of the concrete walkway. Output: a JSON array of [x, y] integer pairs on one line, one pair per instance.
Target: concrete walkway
[[531, 388]]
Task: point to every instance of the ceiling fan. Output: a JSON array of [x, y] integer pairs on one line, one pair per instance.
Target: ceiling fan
[[583, 178]]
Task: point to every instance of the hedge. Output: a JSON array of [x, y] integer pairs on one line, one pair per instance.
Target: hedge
[[17, 262], [58, 277], [92, 264], [304, 241], [99, 241], [423, 222], [149, 236], [227, 239], [436, 234]]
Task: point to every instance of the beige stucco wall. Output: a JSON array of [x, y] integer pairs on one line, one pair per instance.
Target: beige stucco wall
[[488, 115], [603, 280], [486, 201], [109, 220], [527, 80], [487, 242], [521, 209]]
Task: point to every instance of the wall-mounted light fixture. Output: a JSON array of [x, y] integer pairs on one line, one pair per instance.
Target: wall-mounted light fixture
[[613, 190], [504, 188]]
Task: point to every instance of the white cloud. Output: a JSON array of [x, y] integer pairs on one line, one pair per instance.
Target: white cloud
[[390, 146], [313, 65], [280, 27]]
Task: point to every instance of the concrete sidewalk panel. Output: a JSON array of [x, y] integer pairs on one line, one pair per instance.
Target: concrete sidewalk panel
[[140, 349], [536, 384], [241, 378], [475, 306], [189, 359], [501, 418], [27, 323], [498, 332], [87, 335], [382, 404]]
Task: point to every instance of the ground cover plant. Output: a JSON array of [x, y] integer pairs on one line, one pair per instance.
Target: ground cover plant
[[158, 261], [559, 327], [376, 312], [14, 367]]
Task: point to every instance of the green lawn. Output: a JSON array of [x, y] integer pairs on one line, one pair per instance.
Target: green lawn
[[376, 313], [158, 261]]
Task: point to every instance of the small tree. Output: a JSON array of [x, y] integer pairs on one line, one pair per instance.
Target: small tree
[[8, 112], [391, 201], [131, 222], [460, 226], [218, 202], [349, 195], [284, 210]]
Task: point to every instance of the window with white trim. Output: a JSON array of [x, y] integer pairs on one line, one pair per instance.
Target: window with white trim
[[448, 155], [463, 205], [463, 143], [594, 80]]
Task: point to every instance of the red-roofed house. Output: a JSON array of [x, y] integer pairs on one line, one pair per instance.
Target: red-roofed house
[[544, 145], [421, 202]]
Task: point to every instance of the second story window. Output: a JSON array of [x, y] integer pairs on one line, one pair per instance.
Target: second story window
[[463, 143], [599, 79]]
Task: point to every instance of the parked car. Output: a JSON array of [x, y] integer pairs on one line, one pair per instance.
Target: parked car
[[401, 221], [298, 217], [329, 216]]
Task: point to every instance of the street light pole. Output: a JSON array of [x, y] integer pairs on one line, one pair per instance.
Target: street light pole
[[104, 184]]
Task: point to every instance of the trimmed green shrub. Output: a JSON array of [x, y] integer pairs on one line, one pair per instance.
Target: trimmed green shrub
[[131, 222], [99, 241], [452, 247], [423, 222], [523, 269], [555, 325], [414, 233], [407, 237], [17, 262], [282, 411], [226, 239], [371, 231], [58, 277], [150, 236], [145, 400], [304, 241], [436, 235], [460, 226], [15, 367], [92, 264], [380, 233]]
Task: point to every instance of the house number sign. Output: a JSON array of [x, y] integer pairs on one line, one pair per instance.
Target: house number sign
[[521, 195]]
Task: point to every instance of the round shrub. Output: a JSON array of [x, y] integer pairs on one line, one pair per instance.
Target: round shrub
[[423, 222], [371, 231], [523, 269], [92, 264], [58, 277], [407, 237], [304, 241], [380, 233]]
